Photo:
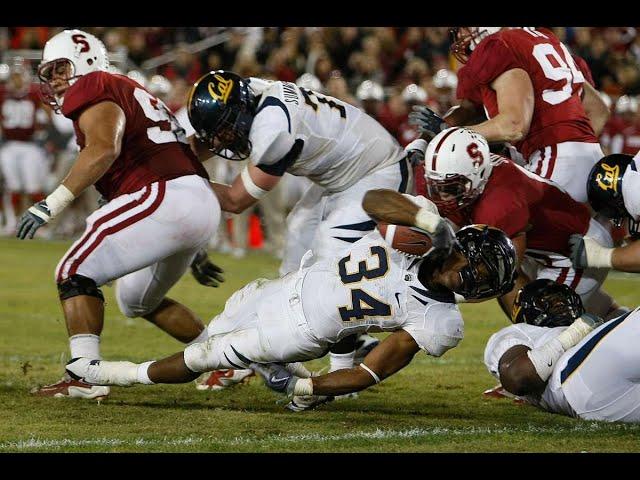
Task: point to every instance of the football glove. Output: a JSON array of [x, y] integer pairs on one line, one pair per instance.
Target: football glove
[[415, 151], [35, 217], [276, 377], [206, 272], [586, 252], [426, 120]]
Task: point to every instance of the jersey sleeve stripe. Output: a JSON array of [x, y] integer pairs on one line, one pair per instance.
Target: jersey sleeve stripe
[[280, 167], [580, 356], [275, 102]]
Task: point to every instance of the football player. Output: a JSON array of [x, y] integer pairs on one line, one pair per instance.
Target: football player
[[470, 185], [614, 192], [532, 92], [280, 128], [22, 158], [367, 286], [159, 211], [565, 361], [627, 137]]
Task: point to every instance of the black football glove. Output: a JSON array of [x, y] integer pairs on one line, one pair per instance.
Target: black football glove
[[31, 220], [206, 272], [426, 120]]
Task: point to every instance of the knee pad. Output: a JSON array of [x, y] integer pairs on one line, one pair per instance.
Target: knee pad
[[78, 285]]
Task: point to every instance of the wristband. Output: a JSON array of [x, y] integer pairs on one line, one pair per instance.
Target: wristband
[[427, 220], [303, 386], [371, 372], [59, 199], [253, 190]]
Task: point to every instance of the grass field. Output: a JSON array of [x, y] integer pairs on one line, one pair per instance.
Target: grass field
[[434, 405]]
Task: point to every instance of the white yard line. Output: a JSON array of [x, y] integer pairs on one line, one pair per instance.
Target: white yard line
[[36, 443]]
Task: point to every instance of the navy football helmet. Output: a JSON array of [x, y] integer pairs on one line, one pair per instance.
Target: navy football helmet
[[604, 189], [221, 108], [492, 262], [545, 303]]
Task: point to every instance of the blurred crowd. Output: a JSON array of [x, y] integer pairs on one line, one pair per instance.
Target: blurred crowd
[[384, 70]]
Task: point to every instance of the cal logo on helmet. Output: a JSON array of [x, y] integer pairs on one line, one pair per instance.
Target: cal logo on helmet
[[224, 87], [608, 178]]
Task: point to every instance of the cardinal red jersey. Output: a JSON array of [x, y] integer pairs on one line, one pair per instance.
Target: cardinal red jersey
[[19, 114], [516, 200], [154, 146], [558, 114]]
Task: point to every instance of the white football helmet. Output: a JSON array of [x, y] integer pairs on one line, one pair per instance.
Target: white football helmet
[[137, 76], [445, 79], [626, 104], [83, 51], [370, 90], [414, 94], [310, 82], [457, 166]]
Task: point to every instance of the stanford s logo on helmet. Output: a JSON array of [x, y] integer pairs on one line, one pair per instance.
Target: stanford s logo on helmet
[[221, 108], [545, 303], [75, 52], [457, 166], [492, 262]]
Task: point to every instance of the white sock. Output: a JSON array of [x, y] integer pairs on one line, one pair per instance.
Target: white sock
[[340, 361], [85, 345], [143, 373], [202, 337]]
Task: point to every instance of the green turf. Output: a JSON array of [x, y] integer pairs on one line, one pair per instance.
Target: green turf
[[433, 405]]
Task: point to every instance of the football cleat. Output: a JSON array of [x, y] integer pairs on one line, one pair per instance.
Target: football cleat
[[364, 345], [221, 379], [69, 387], [499, 392], [300, 403]]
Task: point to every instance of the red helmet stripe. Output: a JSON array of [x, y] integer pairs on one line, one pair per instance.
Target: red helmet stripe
[[435, 152]]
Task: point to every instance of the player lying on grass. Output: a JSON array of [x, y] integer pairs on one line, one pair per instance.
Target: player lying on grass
[[565, 361], [614, 192], [368, 287]]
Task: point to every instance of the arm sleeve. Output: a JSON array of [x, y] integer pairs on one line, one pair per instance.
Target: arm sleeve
[[439, 329], [274, 146]]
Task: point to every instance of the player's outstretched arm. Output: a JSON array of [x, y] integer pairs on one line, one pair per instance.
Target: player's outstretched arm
[[392, 207], [248, 187], [392, 354], [587, 252], [514, 93], [103, 127]]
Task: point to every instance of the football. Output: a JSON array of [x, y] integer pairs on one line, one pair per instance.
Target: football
[[405, 239]]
